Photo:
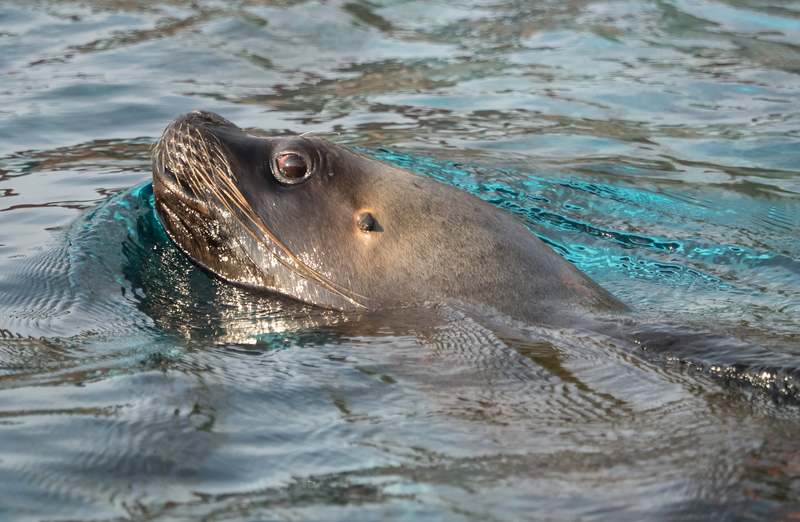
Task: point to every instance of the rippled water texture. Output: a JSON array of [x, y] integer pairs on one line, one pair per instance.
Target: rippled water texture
[[653, 144]]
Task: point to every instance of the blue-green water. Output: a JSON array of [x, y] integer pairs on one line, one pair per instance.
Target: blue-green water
[[653, 144]]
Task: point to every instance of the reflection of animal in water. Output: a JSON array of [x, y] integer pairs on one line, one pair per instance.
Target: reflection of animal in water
[[326, 225]]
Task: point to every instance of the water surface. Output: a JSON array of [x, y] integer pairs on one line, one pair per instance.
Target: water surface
[[653, 144]]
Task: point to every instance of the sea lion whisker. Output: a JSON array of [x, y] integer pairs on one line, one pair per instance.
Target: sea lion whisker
[[223, 159], [200, 157], [154, 148], [179, 148], [195, 176]]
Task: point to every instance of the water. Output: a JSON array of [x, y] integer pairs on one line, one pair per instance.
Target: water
[[653, 144]]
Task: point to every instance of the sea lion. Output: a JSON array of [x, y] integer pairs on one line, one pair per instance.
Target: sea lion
[[330, 226]]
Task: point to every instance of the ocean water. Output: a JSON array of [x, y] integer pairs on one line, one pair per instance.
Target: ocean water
[[654, 145]]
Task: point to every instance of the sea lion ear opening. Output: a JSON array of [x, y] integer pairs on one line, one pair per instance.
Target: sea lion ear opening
[[366, 222]]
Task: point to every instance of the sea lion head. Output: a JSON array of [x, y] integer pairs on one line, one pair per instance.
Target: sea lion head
[[269, 213], [324, 224]]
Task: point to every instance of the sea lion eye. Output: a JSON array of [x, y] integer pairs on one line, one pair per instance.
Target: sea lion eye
[[292, 166]]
